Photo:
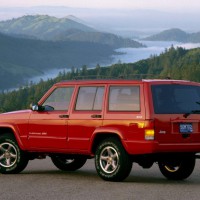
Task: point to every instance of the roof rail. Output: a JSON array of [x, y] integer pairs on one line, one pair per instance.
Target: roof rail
[[126, 77]]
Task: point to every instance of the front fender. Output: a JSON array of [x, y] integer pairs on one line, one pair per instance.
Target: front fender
[[5, 128]]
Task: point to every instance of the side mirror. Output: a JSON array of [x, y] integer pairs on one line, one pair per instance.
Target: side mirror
[[36, 107]]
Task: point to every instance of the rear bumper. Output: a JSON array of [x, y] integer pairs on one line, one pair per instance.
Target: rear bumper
[[193, 147], [148, 147]]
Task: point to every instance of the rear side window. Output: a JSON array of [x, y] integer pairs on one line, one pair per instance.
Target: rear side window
[[175, 99], [89, 98], [124, 98]]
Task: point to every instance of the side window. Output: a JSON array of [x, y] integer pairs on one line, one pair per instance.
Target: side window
[[89, 98], [59, 98], [124, 98]]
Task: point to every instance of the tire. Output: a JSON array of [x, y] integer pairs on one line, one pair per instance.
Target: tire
[[65, 163], [12, 159], [112, 161], [177, 168]]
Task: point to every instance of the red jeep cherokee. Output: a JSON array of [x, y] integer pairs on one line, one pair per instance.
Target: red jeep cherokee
[[117, 122]]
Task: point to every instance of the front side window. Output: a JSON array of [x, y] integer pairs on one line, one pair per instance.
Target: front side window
[[124, 98], [175, 99], [89, 98], [59, 98]]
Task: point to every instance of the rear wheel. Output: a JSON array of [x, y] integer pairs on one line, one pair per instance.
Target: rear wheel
[[12, 159], [177, 168], [112, 161], [65, 163]]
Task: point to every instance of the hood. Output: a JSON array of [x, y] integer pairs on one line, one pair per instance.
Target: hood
[[22, 114]]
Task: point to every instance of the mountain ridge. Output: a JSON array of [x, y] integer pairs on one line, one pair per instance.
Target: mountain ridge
[[45, 27], [175, 34], [40, 26]]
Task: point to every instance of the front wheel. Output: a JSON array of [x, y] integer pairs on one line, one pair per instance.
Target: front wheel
[[12, 159], [112, 161], [65, 163], [177, 168]]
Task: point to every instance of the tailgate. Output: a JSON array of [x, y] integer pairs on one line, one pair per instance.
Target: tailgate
[[177, 130], [176, 112]]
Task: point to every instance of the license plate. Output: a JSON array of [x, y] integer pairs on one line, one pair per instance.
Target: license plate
[[186, 128]]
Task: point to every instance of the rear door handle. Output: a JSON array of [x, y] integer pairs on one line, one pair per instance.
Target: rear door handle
[[64, 116], [96, 116]]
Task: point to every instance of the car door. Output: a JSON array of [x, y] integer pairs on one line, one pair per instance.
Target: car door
[[125, 112], [86, 116], [48, 128]]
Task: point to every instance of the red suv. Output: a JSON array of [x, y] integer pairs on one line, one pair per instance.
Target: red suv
[[117, 122]]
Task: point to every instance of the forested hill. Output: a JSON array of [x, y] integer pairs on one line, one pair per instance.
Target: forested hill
[[175, 34], [44, 27], [41, 26], [175, 63], [31, 45], [22, 58]]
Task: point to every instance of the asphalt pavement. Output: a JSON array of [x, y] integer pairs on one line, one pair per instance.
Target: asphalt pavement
[[42, 180]]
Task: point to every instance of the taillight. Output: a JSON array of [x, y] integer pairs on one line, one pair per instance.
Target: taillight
[[149, 133]]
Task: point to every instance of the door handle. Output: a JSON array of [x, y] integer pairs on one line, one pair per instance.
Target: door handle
[[64, 116], [96, 116]]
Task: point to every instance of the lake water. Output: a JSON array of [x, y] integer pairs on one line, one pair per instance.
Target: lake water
[[130, 55], [153, 48]]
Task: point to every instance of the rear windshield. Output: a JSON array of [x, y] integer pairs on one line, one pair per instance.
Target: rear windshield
[[175, 99]]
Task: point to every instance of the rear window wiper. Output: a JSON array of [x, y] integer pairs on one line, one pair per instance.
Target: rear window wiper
[[198, 102], [192, 112]]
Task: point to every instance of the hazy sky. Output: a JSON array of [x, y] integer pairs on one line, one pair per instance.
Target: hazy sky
[[133, 4]]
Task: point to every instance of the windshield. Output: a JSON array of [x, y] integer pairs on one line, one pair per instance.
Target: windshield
[[175, 99]]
